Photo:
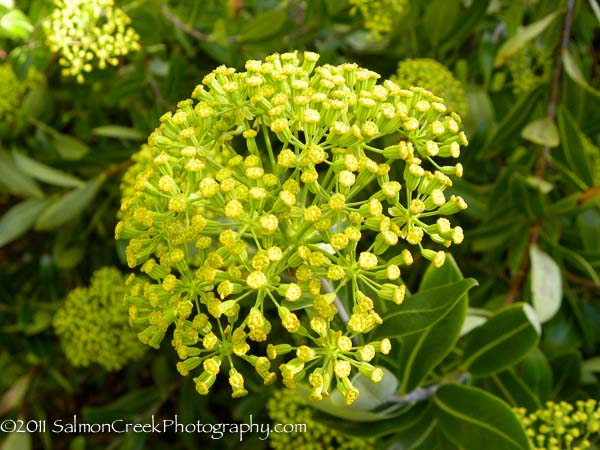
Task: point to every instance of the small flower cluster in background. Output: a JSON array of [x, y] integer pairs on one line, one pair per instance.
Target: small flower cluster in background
[[560, 426], [378, 15], [89, 33], [92, 324], [229, 245], [13, 92], [529, 69], [435, 77], [286, 408]]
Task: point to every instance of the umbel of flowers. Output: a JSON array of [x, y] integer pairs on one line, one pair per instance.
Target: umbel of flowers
[[379, 15], [92, 325], [303, 207], [560, 426], [434, 76], [87, 34], [13, 92], [284, 408]]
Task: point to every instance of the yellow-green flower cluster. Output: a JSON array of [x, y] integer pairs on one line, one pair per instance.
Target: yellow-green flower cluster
[[562, 426], [92, 324], [89, 33], [232, 246], [284, 409], [435, 77], [379, 15], [530, 68], [13, 92]]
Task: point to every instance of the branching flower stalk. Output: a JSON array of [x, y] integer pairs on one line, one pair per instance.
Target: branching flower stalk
[[270, 184]]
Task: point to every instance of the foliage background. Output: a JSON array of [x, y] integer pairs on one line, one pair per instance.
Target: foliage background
[[532, 182]]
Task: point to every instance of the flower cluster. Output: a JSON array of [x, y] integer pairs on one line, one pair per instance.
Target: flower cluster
[[435, 77], [92, 325], [379, 15], [562, 425], [304, 206], [530, 68], [88, 33], [284, 408], [13, 92]]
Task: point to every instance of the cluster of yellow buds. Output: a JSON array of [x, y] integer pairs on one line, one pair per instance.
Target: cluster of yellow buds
[[12, 93], [379, 15], [530, 68], [284, 408], [435, 77], [88, 33], [560, 426], [92, 324], [304, 206]]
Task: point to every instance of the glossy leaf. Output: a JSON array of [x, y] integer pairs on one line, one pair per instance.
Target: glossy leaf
[[475, 420], [573, 145], [574, 72], [15, 24], [502, 341], [424, 309], [421, 352], [546, 284], [535, 371]]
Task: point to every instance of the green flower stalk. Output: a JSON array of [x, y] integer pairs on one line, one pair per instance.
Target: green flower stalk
[[562, 426], [435, 77], [283, 222], [379, 15], [92, 326], [284, 408], [88, 34]]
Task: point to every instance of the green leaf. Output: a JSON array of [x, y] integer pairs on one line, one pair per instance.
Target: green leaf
[[475, 420], [510, 125], [69, 205], [15, 180], [523, 36], [574, 72], [439, 19], [119, 132], [542, 132], [514, 390], [132, 405], [535, 371], [421, 352], [19, 219], [422, 310], [17, 441], [469, 21], [15, 24], [588, 223], [45, 173], [263, 26], [546, 284], [573, 144], [502, 341]]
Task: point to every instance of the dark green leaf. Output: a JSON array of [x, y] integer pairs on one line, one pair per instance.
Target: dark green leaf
[[573, 143], [502, 341], [263, 26], [421, 352], [424, 309], [475, 420], [133, 404]]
